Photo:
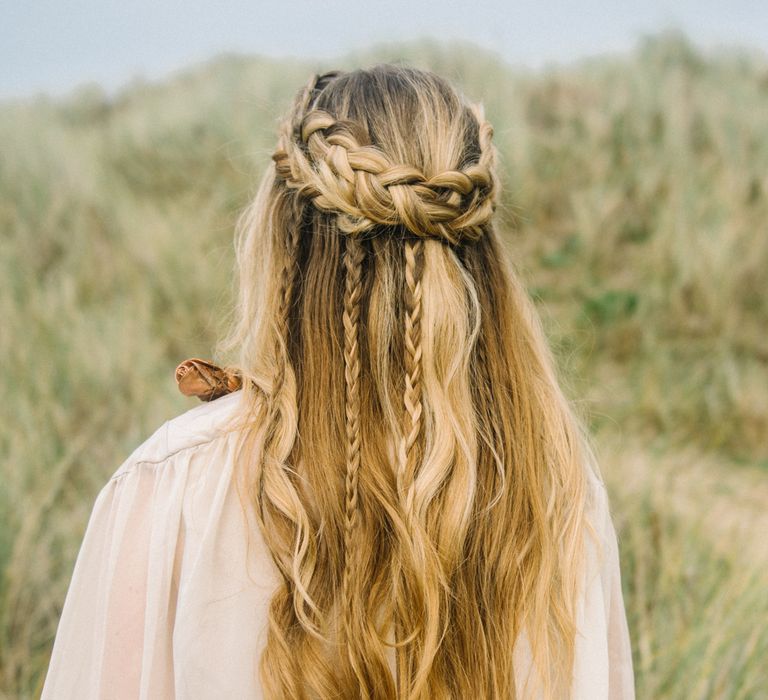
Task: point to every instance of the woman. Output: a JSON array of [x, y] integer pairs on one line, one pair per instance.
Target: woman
[[398, 501]]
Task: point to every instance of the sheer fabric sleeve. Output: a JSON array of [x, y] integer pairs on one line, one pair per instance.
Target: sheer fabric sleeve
[[621, 683], [114, 637], [603, 654]]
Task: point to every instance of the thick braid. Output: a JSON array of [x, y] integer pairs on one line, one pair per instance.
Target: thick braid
[[332, 163]]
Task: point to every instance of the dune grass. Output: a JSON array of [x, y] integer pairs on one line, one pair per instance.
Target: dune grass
[[635, 207]]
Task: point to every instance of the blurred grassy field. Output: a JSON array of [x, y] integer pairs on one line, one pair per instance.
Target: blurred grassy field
[[636, 208]]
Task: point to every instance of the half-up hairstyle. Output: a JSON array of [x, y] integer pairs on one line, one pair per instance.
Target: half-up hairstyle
[[417, 474]]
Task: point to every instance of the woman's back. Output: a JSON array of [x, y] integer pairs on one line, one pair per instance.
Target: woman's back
[[171, 590]]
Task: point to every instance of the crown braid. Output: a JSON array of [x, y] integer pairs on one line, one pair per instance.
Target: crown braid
[[332, 163]]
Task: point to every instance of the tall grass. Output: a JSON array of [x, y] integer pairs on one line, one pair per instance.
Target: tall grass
[[636, 208]]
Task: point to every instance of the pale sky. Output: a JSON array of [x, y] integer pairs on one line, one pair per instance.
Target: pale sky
[[55, 45]]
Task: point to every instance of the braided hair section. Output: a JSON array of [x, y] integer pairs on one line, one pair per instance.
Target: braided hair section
[[285, 296], [281, 518], [282, 605], [408, 622], [353, 259], [334, 165], [285, 288], [412, 399]]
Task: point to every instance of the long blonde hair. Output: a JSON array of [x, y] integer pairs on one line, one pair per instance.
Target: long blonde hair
[[417, 474]]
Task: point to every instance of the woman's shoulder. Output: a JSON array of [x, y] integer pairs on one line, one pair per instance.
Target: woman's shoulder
[[597, 501], [193, 429], [598, 508]]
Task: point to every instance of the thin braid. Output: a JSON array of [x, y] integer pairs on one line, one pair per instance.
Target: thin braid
[[414, 262], [412, 402], [287, 280], [353, 258]]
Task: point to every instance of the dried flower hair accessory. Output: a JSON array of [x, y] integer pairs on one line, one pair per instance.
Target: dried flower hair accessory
[[205, 380]]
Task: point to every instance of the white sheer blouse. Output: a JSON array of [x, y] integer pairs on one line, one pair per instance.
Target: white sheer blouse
[[169, 600]]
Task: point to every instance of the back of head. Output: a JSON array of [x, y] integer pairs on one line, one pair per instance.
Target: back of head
[[391, 147], [418, 475]]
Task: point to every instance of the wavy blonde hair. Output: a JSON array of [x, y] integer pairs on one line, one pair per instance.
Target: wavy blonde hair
[[417, 474]]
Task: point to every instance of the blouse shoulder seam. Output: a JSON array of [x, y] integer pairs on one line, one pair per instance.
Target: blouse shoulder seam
[[133, 464]]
